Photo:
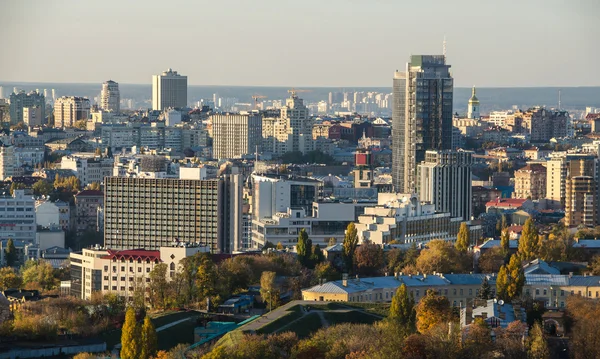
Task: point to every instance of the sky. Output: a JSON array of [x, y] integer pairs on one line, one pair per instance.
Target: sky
[[507, 43]]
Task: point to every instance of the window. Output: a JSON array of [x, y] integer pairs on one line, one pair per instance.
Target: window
[[148, 270], [461, 291], [545, 292], [454, 303], [114, 287], [114, 278], [537, 292], [578, 292], [454, 292], [172, 266], [122, 288], [122, 268], [470, 292], [105, 277], [123, 278], [562, 293], [114, 268], [417, 292], [139, 269], [105, 287], [106, 268]]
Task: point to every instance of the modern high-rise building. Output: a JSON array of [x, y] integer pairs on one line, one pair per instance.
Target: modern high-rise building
[[581, 192], [110, 97], [68, 110], [19, 100], [299, 124], [169, 89], [421, 116], [236, 135], [473, 107], [444, 179], [149, 212]]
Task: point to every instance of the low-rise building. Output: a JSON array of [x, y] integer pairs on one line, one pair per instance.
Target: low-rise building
[[88, 168], [122, 272], [530, 182], [87, 203], [49, 214]]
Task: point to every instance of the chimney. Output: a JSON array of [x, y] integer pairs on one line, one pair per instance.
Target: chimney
[[345, 279], [357, 278]]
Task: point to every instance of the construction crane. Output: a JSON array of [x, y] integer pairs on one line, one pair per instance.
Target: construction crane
[[294, 91], [255, 98]]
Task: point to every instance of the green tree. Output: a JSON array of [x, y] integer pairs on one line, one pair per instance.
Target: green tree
[[206, 277], [528, 243], [463, 239], [130, 336], [538, 347], [39, 273], [505, 241], [501, 224], [10, 252], [159, 286], [502, 283], [316, 256], [402, 310], [303, 248], [327, 271], [485, 291], [9, 278], [516, 277], [148, 340], [349, 246], [42, 188], [268, 289], [432, 310]]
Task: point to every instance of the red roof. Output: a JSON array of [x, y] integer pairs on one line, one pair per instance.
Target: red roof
[[515, 229], [592, 116], [506, 203], [134, 254], [89, 192]]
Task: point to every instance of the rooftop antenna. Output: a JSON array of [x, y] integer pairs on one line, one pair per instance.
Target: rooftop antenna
[[559, 99], [444, 46]]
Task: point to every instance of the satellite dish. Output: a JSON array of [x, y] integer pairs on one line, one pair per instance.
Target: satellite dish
[[501, 302]]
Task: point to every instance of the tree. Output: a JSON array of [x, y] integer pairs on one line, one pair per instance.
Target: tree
[[394, 260], [516, 277], [528, 243], [595, 265], [316, 256], [332, 242], [98, 151], [491, 260], [440, 256], [432, 310], [11, 253], [9, 279], [303, 248], [463, 239], [502, 284], [94, 186], [279, 246], [148, 340], [326, 271], [130, 336], [485, 292], [268, 289], [538, 347], [206, 276], [159, 286], [369, 259], [402, 310], [505, 241], [81, 124], [42, 188], [39, 273], [349, 245], [16, 185]]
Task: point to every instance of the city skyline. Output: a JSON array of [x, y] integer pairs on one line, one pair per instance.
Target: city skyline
[[487, 44]]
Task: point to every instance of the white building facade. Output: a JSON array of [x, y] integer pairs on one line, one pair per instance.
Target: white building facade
[[169, 89]]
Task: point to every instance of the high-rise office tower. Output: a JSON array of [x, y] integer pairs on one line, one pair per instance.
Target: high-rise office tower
[[68, 110], [236, 135], [169, 89], [444, 179], [473, 107], [421, 116], [149, 212], [110, 98], [299, 124], [20, 99]]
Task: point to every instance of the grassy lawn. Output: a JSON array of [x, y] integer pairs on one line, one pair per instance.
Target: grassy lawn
[[307, 325], [354, 317], [279, 322], [382, 309]]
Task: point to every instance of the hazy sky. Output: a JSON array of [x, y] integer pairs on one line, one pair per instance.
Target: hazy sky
[[300, 43]]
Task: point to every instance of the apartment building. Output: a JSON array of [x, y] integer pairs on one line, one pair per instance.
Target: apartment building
[[169, 89], [68, 110], [20, 100], [50, 214], [88, 168], [152, 212], [122, 272], [236, 135], [7, 161], [17, 216], [87, 203], [530, 182], [110, 97]]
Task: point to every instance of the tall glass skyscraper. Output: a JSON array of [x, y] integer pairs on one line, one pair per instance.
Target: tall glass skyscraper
[[421, 116]]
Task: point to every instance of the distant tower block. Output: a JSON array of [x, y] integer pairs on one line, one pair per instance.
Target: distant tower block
[[473, 108]]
